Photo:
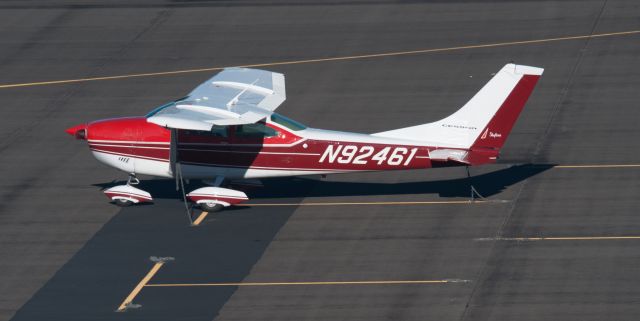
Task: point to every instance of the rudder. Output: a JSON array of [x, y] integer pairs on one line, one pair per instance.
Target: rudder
[[495, 133]]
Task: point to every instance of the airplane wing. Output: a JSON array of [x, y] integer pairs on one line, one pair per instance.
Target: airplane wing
[[235, 96]]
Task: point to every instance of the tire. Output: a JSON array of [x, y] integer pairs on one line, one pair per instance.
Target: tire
[[122, 203], [211, 207]]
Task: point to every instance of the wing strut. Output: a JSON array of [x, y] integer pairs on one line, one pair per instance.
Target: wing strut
[[176, 168], [189, 208]]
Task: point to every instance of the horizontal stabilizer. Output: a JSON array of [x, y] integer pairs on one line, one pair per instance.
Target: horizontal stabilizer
[[449, 155]]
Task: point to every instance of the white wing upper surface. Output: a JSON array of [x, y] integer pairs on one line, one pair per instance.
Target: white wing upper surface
[[235, 96]]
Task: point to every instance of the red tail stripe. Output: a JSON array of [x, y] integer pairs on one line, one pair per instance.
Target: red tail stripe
[[495, 134]]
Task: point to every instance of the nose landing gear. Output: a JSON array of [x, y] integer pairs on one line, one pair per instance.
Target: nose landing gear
[[127, 195]]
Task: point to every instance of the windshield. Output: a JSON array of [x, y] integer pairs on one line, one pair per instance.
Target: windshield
[[157, 109], [286, 122]]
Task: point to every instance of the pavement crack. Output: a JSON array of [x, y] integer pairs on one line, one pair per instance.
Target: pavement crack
[[486, 271], [565, 89]]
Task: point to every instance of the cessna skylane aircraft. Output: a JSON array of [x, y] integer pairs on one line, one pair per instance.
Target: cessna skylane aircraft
[[226, 129]]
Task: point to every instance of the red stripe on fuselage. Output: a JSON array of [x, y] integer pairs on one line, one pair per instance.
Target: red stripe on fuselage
[[337, 156], [129, 155], [161, 154], [134, 137]]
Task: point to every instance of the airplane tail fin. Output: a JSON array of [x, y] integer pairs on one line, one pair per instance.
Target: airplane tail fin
[[484, 122]]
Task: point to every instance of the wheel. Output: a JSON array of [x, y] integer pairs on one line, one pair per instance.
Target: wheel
[[122, 202], [211, 207]]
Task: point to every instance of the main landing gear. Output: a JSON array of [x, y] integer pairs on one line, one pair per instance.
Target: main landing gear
[[211, 206], [214, 198], [211, 198]]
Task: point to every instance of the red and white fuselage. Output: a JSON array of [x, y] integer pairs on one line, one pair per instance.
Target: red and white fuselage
[[135, 146], [274, 146]]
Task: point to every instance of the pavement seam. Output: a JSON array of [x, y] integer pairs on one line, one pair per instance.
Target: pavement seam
[[315, 60], [565, 89]]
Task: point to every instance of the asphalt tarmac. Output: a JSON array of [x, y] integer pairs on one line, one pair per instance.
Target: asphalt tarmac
[[556, 238]]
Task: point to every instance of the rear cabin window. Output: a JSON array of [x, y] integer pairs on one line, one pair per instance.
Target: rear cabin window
[[286, 122], [255, 130]]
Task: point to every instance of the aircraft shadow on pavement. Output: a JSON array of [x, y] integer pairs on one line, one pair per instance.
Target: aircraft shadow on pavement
[[487, 184]]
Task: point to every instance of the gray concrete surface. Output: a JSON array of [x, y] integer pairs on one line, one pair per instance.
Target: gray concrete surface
[[68, 255]]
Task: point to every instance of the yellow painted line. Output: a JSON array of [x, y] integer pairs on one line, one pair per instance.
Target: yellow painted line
[[306, 61], [306, 283], [364, 203], [200, 218], [139, 287], [599, 166], [560, 238]]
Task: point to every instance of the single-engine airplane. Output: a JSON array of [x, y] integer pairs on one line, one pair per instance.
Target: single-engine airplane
[[226, 129]]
